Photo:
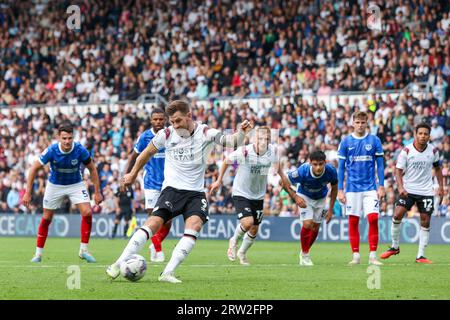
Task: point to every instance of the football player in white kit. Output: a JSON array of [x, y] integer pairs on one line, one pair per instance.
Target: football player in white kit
[[415, 186], [187, 145], [249, 189]]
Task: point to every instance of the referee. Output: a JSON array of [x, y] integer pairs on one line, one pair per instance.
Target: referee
[[124, 200]]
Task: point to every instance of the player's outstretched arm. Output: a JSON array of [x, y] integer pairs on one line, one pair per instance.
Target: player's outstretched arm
[[236, 139], [286, 185], [30, 180], [98, 198], [141, 160]]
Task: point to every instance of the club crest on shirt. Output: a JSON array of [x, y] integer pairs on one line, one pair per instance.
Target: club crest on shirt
[[74, 162], [368, 147]]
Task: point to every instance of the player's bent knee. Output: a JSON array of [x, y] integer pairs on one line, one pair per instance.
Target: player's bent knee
[[154, 223], [308, 224], [194, 223]]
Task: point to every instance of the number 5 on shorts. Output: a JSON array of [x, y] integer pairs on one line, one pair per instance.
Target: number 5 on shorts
[[85, 194]]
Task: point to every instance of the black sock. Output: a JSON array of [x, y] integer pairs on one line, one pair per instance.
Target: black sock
[[125, 229], [114, 231]]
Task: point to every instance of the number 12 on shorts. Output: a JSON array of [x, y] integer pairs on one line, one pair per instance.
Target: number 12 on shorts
[[427, 204]]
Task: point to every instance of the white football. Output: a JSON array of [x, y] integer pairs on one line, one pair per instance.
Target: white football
[[133, 268]]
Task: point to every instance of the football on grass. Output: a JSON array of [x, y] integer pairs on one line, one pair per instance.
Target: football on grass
[[133, 268]]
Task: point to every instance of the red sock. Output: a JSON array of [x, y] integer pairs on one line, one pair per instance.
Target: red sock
[[42, 232], [313, 237], [159, 237], [305, 238], [372, 218], [86, 226], [353, 232]]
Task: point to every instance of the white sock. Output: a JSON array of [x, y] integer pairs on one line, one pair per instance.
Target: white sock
[[395, 233], [179, 254], [83, 247], [423, 241], [39, 251], [238, 233], [136, 243], [372, 255], [247, 242], [356, 255]]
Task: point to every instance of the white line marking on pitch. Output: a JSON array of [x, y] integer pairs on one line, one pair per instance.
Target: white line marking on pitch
[[61, 265]]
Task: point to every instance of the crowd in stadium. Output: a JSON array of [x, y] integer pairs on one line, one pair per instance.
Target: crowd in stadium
[[203, 49]]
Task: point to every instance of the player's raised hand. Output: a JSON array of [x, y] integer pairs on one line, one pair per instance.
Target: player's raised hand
[[26, 200], [300, 201], [98, 198], [341, 196], [246, 126]]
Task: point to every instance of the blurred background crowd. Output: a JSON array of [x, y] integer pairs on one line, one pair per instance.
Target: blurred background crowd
[[209, 49]]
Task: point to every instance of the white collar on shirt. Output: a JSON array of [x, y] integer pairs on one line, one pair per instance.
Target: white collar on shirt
[[71, 149]]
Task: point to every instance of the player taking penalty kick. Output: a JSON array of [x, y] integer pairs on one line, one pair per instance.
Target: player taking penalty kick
[[65, 158], [312, 179], [249, 189], [187, 145], [414, 174], [358, 153]]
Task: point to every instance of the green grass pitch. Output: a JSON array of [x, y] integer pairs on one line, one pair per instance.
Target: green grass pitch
[[207, 273]]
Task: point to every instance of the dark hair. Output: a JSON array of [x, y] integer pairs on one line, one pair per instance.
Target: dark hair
[[423, 125], [178, 105], [157, 110], [66, 127], [317, 156]]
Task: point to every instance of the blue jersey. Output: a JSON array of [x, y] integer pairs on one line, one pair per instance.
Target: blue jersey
[[310, 185], [154, 169], [360, 158], [65, 168]]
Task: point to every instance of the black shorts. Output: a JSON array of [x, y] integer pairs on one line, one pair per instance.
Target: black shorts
[[173, 202], [249, 208], [125, 213], [425, 204]]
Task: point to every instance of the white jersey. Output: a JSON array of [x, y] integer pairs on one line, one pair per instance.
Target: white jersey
[[417, 167], [186, 157], [251, 177]]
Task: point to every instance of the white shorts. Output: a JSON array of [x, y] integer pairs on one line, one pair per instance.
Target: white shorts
[[151, 196], [55, 194], [315, 210], [362, 202]]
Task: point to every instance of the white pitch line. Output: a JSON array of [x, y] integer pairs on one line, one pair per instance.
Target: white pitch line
[[216, 265]]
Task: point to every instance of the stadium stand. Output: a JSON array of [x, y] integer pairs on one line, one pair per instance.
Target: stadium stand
[[205, 50]]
